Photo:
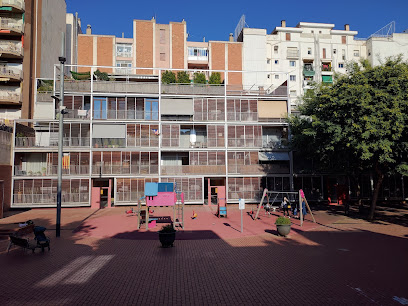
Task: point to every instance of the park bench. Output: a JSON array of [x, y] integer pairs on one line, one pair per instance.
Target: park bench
[[20, 239]]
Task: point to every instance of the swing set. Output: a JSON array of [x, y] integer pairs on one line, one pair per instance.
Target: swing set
[[292, 196]]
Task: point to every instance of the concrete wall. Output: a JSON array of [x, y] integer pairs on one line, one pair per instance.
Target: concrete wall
[[378, 49], [53, 23]]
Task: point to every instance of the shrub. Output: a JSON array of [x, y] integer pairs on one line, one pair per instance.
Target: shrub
[[282, 221], [199, 78], [215, 78], [103, 76], [81, 75], [183, 78], [168, 77], [167, 228]]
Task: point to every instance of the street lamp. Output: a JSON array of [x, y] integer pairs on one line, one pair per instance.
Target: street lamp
[[62, 111]]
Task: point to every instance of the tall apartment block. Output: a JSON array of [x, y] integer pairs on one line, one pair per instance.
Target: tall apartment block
[[30, 36]]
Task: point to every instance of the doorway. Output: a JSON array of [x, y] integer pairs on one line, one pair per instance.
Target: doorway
[[102, 193], [214, 191]]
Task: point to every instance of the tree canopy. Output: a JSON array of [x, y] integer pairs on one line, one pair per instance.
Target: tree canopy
[[168, 77], [182, 77], [359, 123]]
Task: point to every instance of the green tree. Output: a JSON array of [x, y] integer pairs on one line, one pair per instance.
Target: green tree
[[199, 78], [215, 78], [183, 78], [359, 123], [168, 77]]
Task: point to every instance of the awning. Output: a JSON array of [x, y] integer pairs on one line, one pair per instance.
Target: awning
[[327, 79], [273, 156]]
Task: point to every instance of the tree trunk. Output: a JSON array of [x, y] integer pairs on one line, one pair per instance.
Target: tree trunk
[[375, 195]]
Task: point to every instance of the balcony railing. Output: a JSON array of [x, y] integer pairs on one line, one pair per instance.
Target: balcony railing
[[17, 4], [11, 48], [11, 73], [31, 142], [52, 170], [50, 199], [75, 114], [109, 142], [292, 53], [256, 169], [10, 97], [326, 67], [209, 116], [124, 115], [193, 169], [245, 142], [143, 142], [121, 168], [12, 24], [242, 116], [283, 144], [172, 142]]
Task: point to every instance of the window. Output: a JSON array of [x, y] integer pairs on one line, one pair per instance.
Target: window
[[288, 36], [276, 76], [293, 78], [343, 40], [343, 54], [151, 109], [162, 56], [276, 62], [324, 53], [197, 53], [269, 76], [162, 36], [356, 53], [334, 51], [275, 49], [341, 65], [309, 51], [292, 63], [268, 61], [124, 50], [293, 93], [124, 67]]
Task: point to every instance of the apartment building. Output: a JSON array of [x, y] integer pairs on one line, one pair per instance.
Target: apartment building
[[120, 134], [308, 52], [30, 36]]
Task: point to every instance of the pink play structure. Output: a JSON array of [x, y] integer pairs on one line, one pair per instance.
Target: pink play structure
[[162, 199]]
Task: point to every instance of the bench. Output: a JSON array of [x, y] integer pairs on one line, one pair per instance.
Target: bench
[[19, 238]]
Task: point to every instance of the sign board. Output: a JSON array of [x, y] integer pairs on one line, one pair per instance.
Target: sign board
[[241, 204]]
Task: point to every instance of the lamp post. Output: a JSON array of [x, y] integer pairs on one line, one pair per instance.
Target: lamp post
[[62, 111]]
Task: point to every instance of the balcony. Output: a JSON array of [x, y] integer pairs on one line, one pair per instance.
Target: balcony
[[209, 116], [143, 142], [12, 26], [308, 71], [14, 5], [33, 142], [8, 97], [242, 116], [10, 73], [326, 67], [193, 170], [11, 49], [179, 142], [245, 142], [125, 115], [276, 145], [257, 169], [292, 53], [52, 170], [49, 199], [101, 168]]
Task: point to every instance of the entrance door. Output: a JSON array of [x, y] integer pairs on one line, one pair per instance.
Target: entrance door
[[214, 191], [101, 193]]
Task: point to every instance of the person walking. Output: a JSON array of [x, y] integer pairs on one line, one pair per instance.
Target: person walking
[[285, 206]]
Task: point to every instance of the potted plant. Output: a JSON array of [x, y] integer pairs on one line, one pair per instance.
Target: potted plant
[[283, 226], [167, 235]]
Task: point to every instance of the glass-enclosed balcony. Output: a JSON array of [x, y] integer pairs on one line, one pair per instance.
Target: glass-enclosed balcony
[[12, 5], [11, 49], [10, 73], [14, 26], [308, 70]]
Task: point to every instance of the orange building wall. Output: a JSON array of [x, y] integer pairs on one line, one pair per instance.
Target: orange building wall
[[144, 46], [178, 45], [85, 52], [105, 53], [217, 51], [235, 63]]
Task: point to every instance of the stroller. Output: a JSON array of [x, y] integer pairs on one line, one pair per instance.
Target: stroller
[[42, 240]]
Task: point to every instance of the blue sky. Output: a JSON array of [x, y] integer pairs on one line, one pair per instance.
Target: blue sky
[[214, 20]]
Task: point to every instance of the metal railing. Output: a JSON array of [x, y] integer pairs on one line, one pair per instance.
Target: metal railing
[[283, 144], [124, 115], [242, 116], [12, 73], [29, 142], [209, 116], [193, 169], [256, 169], [245, 142], [75, 114], [50, 198], [52, 170], [172, 142], [143, 142], [108, 168], [12, 24], [10, 47]]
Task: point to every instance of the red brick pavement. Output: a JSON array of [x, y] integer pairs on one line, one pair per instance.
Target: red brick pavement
[[342, 261]]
